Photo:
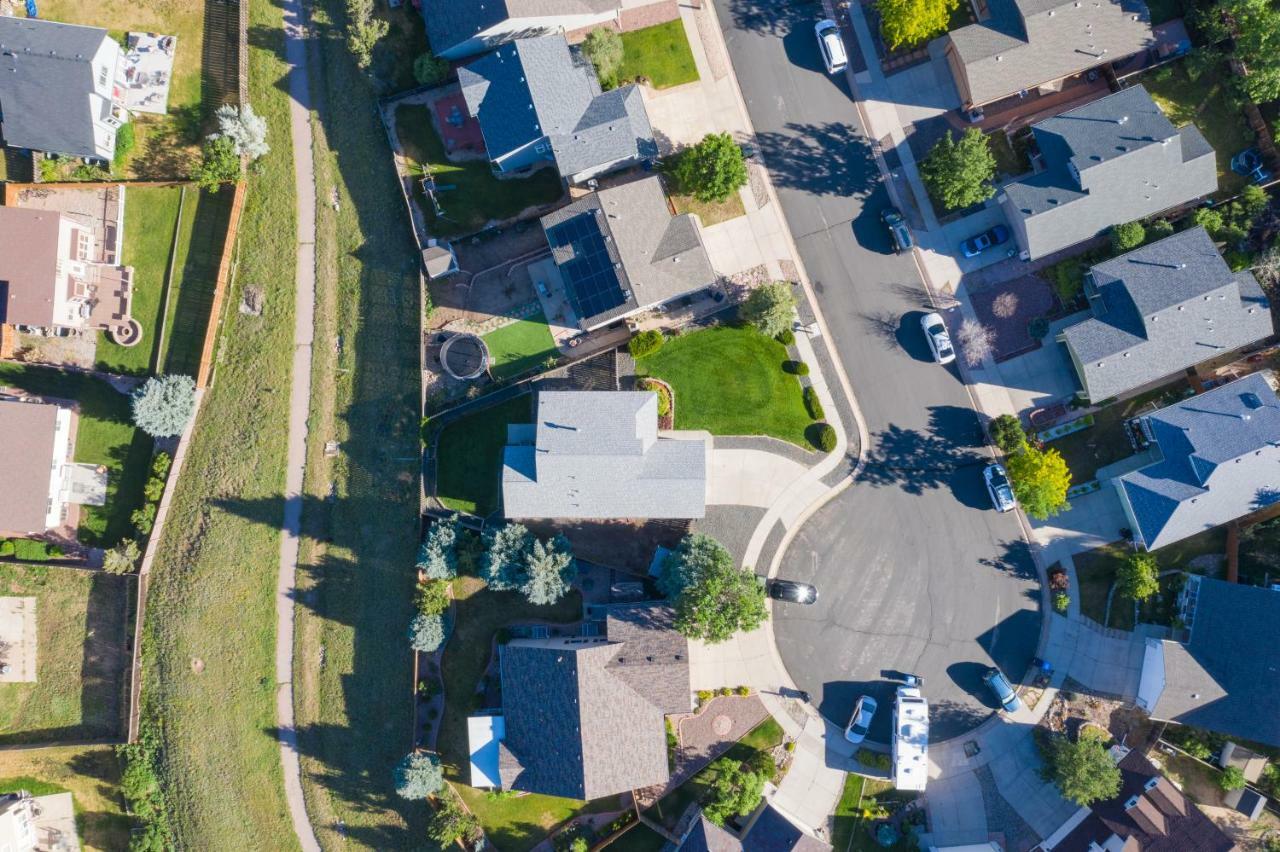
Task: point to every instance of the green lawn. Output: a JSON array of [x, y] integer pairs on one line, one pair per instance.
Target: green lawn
[[520, 346], [105, 435], [729, 381], [659, 54], [514, 824], [81, 623], [90, 774], [469, 456], [478, 197], [1208, 103]]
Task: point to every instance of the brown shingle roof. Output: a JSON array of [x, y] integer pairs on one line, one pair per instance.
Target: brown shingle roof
[[28, 264], [27, 433]]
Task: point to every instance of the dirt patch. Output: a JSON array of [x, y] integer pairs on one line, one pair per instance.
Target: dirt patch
[[197, 665]]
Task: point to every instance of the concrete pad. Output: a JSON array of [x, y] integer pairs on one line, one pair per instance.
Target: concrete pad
[[1042, 376], [923, 91], [18, 640], [956, 812], [561, 320], [741, 477], [1093, 520], [731, 246]]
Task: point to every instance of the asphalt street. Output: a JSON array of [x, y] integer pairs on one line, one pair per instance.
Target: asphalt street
[[916, 572]]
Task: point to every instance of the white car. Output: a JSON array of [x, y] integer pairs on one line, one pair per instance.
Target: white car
[[860, 722], [831, 46], [999, 489], [935, 331]]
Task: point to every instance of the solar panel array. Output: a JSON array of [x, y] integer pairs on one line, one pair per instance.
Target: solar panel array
[[590, 276]]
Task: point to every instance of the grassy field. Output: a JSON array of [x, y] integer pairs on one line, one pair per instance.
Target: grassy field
[[81, 622], [90, 774], [478, 197], [660, 54], [355, 711], [520, 346], [729, 381], [469, 456], [105, 435], [208, 647], [1208, 103]]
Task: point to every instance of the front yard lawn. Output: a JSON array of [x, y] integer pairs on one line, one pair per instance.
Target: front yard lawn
[[851, 832], [477, 196], [520, 346], [1208, 103], [1105, 442], [469, 455], [92, 776], [105, 435], [659, 54], [729, 381], [81, 629]]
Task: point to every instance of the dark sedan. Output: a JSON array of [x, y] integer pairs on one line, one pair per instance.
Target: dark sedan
[[792, 592]]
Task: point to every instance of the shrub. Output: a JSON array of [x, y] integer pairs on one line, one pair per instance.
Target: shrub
[[164, 404], [1007, 433], [603, 47], [822, 436], [743, 690], [432, 597], [1139, 577], [143, 518], [1038, 328], [1058, 580], [429, 69], [122, 558], [797, 368], [219, 164], [664, 395], [770, 308], [812, 404], [125, 140], [734, 791], [154, 489], [7, 547], [1232, 778], [419, 775], [1127, 236], [645, 343], [874, 759], [712, 170], [451, 823], [789, 745], [1159, 229], [1061, 601], [705, 695], [426, 633], [1210, 219], [786, 337]]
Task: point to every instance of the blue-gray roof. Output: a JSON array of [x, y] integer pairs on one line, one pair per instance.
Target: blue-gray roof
[[1114, 160], [1219, 459], [1160, 309], [597, 454], [452, 22], [533, 89]]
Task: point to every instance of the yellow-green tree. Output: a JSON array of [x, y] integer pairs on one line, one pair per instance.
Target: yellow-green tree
[[912, 22], [1040, 480]]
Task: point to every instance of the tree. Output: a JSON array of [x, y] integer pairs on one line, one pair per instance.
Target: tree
[[364, 30], [419, 775], [645, 343], [1159, 229], [503, 567], [450, 823], [245, 128], [913, 22], [712, 170], [770, 308], [164, 404], [1255, 30], [429, 69], [713, 598], [1210, 219], [977, 342], [959, 173], [122, 558], [431, 597], [426, 633], [1232, 778], [1139, 577], [1040, 480], [438, 555], [1006, 432], [1267, 268], [735, 791], [603, 47], [1127, 236], [219, 163], [550, 569], [1083, 770]]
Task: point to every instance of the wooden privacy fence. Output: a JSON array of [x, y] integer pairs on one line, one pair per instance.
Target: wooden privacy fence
[[225, 270]]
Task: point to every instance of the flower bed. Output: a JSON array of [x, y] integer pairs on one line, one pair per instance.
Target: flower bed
[[1063, 429]]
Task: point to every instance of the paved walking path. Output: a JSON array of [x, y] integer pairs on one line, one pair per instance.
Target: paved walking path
[[299, 407]]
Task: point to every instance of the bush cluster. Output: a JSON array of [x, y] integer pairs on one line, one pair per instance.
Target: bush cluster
[[813, 404], [140, 786], [143, 518], [822, 436], [645, 343], [786, 337], [796, 368], [29, 549]]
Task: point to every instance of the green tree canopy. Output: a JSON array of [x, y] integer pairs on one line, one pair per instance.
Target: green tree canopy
[[550, 569], [1232, 778], [438, 555], [1007, 433], [429, 69], [770, 308], [1083, 770], [735, 791], [1139, 577], [712, 170], [1040, 480], [1127, 235], [960, 173], [503, 567], [164, 404], [713, 597], [418, 775], [913, 22], [695, 555], [603, 47], [219, 163], [1254, 26], [450, 823]]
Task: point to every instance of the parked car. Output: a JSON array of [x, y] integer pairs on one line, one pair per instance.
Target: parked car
[[831, 46], [897, 229], [792, 592], [975, 246], [935, 331], [998, 487], [999, 684], [860, 722], [542, 288]]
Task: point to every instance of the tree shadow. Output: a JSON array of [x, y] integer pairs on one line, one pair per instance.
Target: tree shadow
[[828, 159], [916, 461], [772, 17]]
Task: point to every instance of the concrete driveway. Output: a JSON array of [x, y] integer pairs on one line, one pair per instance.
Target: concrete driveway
[[749, 477]]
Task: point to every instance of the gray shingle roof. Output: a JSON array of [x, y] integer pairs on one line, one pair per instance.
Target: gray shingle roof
[[771, 832], [1114, 160], [46, 79], [1160, 309], [533, 88], [597, 454], [1025, 43], [573, 729], [654, 660], [1226, 679], [451, 22], [1219, 460]]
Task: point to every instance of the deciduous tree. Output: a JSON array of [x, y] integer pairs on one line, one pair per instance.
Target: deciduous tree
[[1127, 236], [429, 69], [450, 823], [1083, 770], [219, 164], [735, 791], [913, 22], [603, 47], [960, 173], [713, 597], [1139, 577], [712, 170], [977, 342], [1040, 480], [770, 308]]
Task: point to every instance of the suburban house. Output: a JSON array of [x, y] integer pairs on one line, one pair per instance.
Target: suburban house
[[1114, 160], [1148, 814], [620, 251], [1159, 310], [1209, 459], [50, 277], [582, 717], [62, 88], [767, 830], [35, 454], [460, 29], [536, 103], [1019, 46], [1223, 677], [38, 823], [599, 454]]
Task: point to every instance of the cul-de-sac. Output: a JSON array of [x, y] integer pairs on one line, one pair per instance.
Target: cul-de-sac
[[640, 425]]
